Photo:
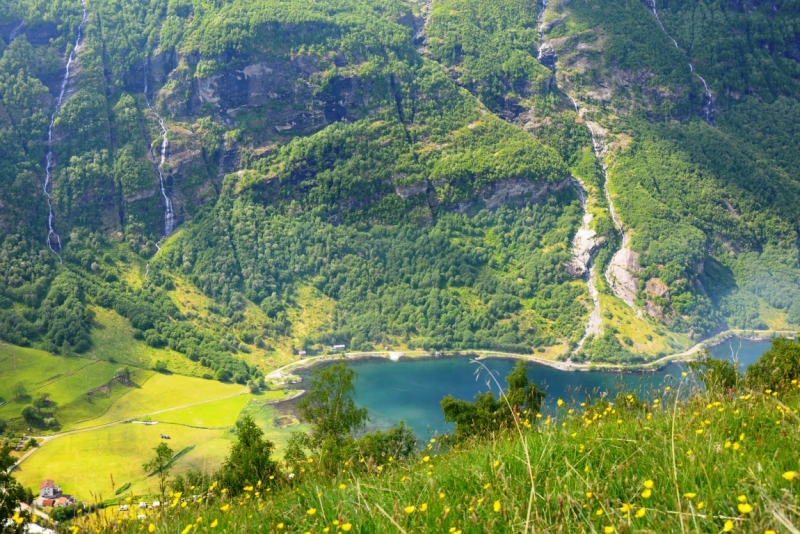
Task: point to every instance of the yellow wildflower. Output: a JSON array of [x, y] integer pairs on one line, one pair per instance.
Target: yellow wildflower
[[741, 498], [560, 402], [626, 508], [342, 486], [598, 513], [647, 493], [588, 494], [790, 475], [487, 486], [608, 530], [497, 506], [410, 509], [728, 526], [346, 527], [690, 495], [225, 507], [311, 511], [214, 524], [745, 508], [187, 529], [648, 484], [426, 459], [151, 528], [640, 512], [423, 507]]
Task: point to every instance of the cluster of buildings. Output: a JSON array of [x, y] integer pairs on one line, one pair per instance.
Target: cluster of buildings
[[51, 495]]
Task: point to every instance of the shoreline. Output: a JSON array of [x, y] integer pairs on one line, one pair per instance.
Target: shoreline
[[282, 374]]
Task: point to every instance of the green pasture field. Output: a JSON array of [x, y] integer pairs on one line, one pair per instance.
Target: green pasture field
[[163, 392], [65, 379], [88, 407], [83, 464]]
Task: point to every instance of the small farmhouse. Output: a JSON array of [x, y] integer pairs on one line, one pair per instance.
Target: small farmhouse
[[51, 495]]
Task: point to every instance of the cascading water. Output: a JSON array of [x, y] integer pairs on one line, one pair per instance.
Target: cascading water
[[15, 31], [708, 103], [169, 213], [584, 247], [585, 244], [617, 267], [52, 236], [546, 55]]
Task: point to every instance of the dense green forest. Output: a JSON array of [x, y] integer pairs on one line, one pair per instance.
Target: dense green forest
[[412, 167]]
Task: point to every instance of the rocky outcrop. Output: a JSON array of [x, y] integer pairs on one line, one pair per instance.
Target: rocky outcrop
[[517, 191], [186, 172], [656, 290], [411, 190], [282, 89], [621, 272]]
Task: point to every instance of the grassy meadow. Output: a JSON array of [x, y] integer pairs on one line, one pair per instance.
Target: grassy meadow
[[707, 463], [85, 462], [65, 379]]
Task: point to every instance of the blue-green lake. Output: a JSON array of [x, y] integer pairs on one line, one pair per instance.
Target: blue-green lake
[[412, 389]]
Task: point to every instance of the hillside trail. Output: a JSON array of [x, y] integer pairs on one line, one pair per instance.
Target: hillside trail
[[42, 440]]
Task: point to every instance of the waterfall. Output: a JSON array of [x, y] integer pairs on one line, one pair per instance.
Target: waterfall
[[169, 213], [52, 236], [16, 30], [708, 101], [585, 244], [618, 261], [545, 55]]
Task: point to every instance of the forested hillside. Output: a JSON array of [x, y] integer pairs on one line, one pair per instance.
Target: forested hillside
[[460, 175]]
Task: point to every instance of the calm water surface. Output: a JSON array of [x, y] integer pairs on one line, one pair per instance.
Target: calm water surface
[[412, 389]]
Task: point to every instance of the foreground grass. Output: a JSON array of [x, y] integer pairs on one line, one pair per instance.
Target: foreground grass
[[707, 464]]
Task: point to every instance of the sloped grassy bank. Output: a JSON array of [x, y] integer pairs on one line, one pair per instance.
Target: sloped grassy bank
[[722, 459]]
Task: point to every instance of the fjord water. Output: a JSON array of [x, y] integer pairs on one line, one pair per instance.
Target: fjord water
[[412, 389]]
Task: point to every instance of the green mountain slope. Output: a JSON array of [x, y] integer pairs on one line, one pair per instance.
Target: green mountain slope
[[388, 174]]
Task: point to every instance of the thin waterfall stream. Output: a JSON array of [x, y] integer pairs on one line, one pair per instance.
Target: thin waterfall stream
[[585, 244], [708, 104], [52, 237], [169, 212]]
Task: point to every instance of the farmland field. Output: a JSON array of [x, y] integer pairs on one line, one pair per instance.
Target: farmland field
[[85, 462], [162, 392], [66, 380]]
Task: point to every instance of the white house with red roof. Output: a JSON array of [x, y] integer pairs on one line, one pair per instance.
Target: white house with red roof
[[50, 495]]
